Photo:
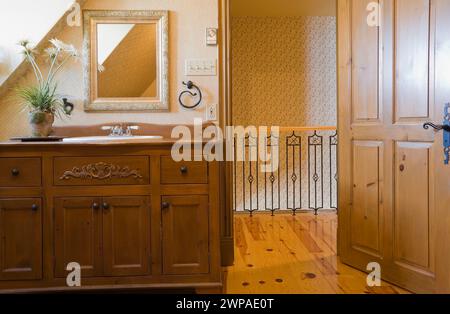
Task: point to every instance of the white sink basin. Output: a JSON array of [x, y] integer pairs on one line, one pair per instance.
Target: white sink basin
[[110, 138]]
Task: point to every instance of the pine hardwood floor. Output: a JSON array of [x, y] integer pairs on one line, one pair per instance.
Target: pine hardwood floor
[[292, 255]]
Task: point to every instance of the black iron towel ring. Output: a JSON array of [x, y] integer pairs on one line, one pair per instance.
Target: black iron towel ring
[[190, 85]]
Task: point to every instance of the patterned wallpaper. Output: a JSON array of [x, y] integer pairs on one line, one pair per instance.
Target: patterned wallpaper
[[284, 71]]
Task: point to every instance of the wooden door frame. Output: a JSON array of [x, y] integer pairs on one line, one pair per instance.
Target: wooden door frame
[[344, 68], [225, 109]]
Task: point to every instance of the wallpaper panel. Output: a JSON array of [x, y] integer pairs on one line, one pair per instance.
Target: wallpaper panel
[[284, 71]]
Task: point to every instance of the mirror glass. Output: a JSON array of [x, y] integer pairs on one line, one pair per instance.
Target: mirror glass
[[127, 60]]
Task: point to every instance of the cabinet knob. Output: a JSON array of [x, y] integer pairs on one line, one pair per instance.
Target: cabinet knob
[[105, 206], [34, 207], [15, 172], [165, 205], [183, 169], [95, 206]]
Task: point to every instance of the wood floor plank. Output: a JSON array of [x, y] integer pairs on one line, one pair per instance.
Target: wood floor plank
[[293, 255]]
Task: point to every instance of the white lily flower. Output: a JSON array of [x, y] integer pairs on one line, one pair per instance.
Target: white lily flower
[[58, 44], [52, 52]]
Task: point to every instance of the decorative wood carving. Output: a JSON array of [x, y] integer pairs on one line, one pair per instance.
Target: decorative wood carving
[[101, 171]]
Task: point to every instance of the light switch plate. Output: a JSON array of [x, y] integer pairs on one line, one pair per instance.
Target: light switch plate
[[211, 36], [211, 112], [201, 67]]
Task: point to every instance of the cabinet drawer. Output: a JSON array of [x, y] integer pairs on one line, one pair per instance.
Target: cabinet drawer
[[184, 172], [115, 170], [17, 172]]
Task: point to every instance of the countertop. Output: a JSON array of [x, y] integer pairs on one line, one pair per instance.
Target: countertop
[[137, 142]]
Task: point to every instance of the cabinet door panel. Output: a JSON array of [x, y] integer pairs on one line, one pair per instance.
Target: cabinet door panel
[[185, 224], [126, 236], [78, 228], [20, 239]]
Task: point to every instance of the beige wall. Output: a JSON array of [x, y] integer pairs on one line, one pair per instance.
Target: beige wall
[[273, 8], [188, 22]]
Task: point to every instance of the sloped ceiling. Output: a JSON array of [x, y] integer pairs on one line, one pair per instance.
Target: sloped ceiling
[[25, 20]]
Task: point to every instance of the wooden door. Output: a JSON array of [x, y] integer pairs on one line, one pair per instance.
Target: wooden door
[[20, 239], [78, 227], [185, 235], [394, 192], [126, 235]]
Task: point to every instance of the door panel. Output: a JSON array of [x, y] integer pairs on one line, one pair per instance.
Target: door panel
[[365, 69], [414, 212], [78, 227], [394, 188], [126, 235], [20, 239], [366, 216], [412, 58], [185, 224]]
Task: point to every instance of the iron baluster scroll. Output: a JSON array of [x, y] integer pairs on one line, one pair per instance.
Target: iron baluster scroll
[[294, 173], [272, 178], [250, 175], [305, 179], [333, 170], [447, 133], [315, 172]]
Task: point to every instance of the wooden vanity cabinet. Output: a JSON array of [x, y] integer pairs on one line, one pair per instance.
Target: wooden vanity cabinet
[[106, 236], [20, 239], [129, 215], [78, 235], [126, 236], [185, 234]]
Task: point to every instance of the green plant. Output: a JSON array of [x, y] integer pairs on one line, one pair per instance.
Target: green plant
[[42, 97]]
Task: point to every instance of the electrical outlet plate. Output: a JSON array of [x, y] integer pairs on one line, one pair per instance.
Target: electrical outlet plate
[[201, 67], [211, 112]]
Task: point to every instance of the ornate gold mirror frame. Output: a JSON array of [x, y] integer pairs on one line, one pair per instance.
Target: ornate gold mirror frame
[[92, 100]]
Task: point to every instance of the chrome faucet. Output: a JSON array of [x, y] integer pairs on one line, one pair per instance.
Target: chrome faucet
[[118, 130], [129, 130]]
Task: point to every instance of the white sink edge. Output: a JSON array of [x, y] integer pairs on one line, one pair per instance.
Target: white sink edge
[[110, 138]]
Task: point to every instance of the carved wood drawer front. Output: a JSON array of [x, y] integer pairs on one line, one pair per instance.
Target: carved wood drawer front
[[184, 172], [116, 170], [20, 172]]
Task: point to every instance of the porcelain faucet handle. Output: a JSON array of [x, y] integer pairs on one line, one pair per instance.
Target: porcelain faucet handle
[[129, 130]]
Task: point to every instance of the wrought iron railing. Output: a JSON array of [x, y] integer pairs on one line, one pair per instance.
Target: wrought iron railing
[[306, 178]]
